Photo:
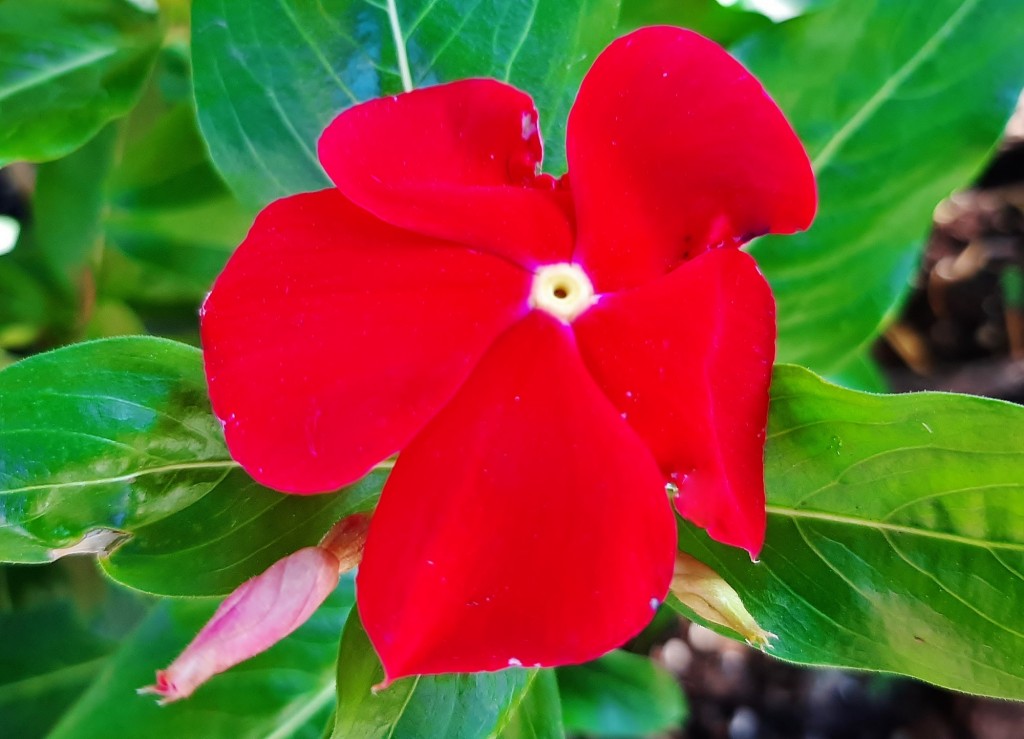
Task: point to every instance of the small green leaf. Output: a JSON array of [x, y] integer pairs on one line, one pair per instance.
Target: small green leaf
[[893, 541], [66, 68], [620, 694], [288, 691], [899, 103], [270, 76], [458, 706]]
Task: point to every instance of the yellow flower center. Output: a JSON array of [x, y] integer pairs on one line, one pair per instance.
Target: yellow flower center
[[563, 290]]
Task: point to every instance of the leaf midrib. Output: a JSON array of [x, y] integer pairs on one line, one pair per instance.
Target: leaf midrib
[[894, 528], [52, 73], [884, 93], [126, 477]]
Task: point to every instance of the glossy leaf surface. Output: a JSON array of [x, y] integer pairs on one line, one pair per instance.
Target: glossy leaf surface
[[458, 706], [288, 691], [893, 535], [621, 694], [236, 530], [898, 104], [66, 68], [269, 77], [111, 434], [115, 439]]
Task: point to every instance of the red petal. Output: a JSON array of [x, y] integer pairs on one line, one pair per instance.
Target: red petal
[[527, 524], [687, 360], [674, 147], [456, 161], [331, 338]]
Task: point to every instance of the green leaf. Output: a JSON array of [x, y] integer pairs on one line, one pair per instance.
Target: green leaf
[[777, 10], [456, 706], [24, 304], [894, 541], [899, 102], [58, 624], [47, 659], [170, 219], [110, 434], [114, 439], [68, 207], [620, 694], [236, 530], [707, 17], [288, 691], [270, 76], [66, 68], [539, 715], [860, 372]]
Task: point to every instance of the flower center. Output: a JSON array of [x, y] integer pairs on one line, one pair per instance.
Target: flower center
[[563, 290]]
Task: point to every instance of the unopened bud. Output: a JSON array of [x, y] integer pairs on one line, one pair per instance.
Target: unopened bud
[[702, 589], [260, 613]]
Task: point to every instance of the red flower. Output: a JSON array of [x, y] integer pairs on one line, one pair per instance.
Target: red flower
[[549, 356]]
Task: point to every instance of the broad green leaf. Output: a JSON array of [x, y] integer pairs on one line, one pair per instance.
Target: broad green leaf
[[453, 706], [113, 440], [894, 539], [236, 530], [539, 715], [898, 102], [287, 691], [66, 68], [270, 76], [620, 694], [110, 434]]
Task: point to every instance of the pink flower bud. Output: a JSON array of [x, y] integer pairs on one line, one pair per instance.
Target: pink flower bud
[[260, 613]]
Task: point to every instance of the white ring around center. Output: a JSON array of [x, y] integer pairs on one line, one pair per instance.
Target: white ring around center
[[564, 290]]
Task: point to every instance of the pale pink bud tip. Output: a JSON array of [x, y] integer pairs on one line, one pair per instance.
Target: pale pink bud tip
[[260, 613]]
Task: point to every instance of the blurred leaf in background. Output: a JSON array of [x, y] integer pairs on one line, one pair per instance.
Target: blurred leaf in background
[[898, 103], [618, 695], [67, 67]]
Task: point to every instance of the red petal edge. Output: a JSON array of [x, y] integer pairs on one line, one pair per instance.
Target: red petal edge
[[331, 338], [455, 161], [673, 148], [526, 525], [687, 359]]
